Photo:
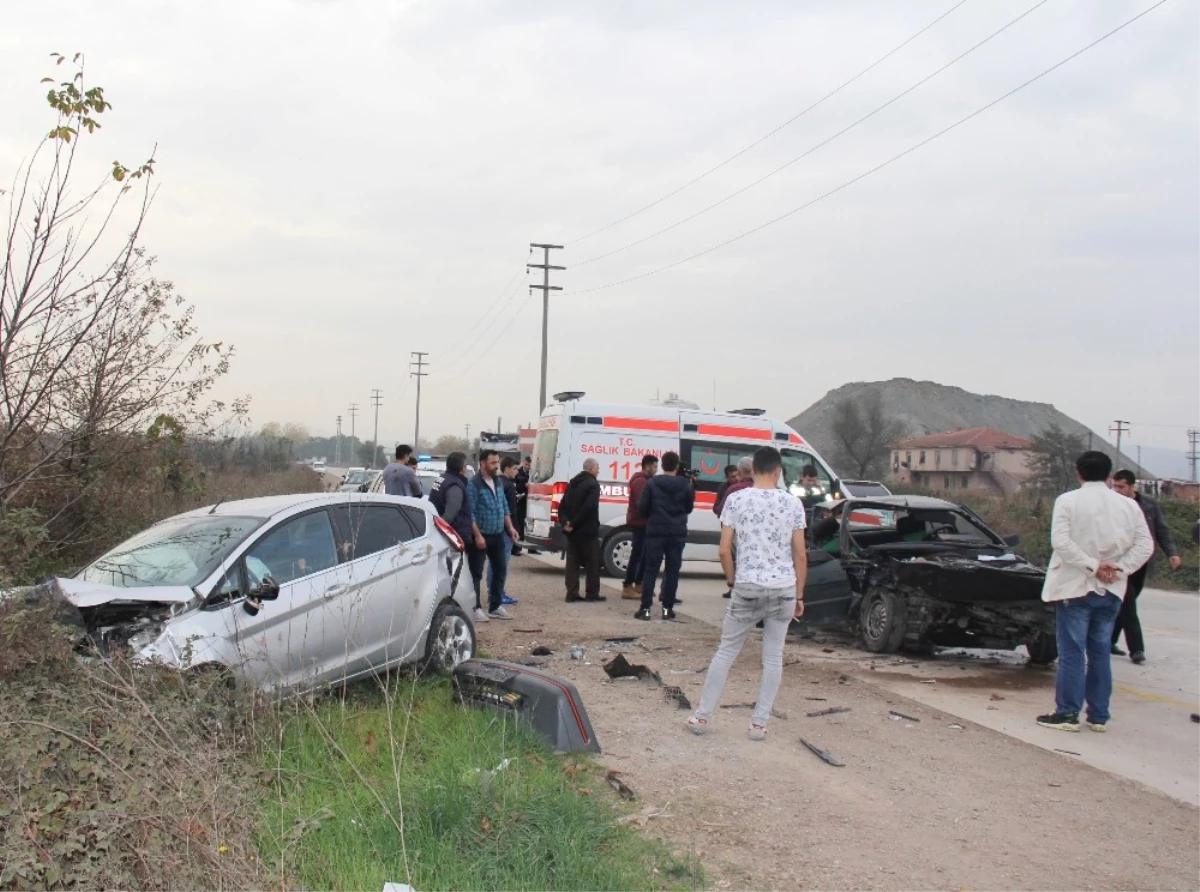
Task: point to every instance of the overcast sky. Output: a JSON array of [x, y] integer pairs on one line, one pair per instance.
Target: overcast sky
[[342, 182]]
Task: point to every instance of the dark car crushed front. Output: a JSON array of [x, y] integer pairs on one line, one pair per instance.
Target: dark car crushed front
[[915, 572]]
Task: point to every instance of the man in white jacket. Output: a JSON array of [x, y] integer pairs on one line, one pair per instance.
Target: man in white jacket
[[1099, 538]]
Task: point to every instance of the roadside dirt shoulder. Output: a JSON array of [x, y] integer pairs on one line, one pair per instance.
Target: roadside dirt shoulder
[[919, 804]]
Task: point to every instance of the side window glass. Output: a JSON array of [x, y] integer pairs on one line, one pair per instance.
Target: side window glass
[[417, 520], [299, 547], [231, 587], [368, 529]]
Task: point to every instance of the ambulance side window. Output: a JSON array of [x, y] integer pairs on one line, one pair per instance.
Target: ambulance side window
[[544, 449], [710, 460]]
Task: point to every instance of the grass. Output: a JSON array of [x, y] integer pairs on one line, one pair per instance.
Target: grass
[[402, 785]]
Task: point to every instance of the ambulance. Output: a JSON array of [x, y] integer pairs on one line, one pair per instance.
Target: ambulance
[[572, 430]]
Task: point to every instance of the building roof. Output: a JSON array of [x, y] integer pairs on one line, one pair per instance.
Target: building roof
[[986, 439]]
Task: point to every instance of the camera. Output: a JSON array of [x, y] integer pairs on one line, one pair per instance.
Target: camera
[[690, 473]]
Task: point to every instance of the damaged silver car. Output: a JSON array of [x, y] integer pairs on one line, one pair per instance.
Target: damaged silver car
[[914, 573], [294, 592]]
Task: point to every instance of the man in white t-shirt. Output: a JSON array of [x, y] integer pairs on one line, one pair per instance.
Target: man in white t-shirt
[[767, 525]]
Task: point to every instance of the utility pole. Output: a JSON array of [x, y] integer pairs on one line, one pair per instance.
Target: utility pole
[[337, 446], [546, 288], [1119, 428], [376, 399], [1139, 460], [419, 372], [1193, 454], [467, 434], [353, 410]]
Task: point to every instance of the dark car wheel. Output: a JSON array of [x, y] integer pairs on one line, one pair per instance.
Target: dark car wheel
[[615, 552], [451, 639], [881, 621], [1043, 648]]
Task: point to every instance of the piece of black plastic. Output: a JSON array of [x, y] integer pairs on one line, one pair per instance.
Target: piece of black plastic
[[824, 755], [549, 704], [833, 710]]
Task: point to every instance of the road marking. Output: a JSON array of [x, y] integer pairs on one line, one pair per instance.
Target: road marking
[[1155, 698]]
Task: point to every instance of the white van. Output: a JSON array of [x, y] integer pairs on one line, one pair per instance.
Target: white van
[[571, 430]]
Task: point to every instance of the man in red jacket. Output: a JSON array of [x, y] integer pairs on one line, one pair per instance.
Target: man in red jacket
[[631, 590]]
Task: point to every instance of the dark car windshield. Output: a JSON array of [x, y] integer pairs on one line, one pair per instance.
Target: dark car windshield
[[180, 551], [886, 525]]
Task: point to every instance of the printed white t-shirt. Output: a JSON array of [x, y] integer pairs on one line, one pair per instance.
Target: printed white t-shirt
[[763, 521]]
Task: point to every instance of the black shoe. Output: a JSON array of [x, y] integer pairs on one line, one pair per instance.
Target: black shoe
[[668, 613], [643, 613], [759, 624], [573, 599], [728, 594], [678, 601], [596, 598], [1138, 657], [1117, 652], [1060, 721]]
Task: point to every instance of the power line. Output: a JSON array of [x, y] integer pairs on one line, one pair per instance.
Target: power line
[[763, 139], [814, 148], [483, 332], [479, 320], [488, 349], [876, 168]]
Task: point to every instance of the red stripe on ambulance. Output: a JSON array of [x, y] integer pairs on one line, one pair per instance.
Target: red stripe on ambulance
[[641, 424], [721, 430]]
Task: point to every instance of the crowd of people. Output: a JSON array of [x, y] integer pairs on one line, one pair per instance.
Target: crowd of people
[[1103, 535]]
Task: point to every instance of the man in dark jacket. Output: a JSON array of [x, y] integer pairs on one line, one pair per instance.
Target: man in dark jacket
[[1125, 483], [666, 502], [745, 469], [579, 514], [521, 484], [449, 498], [632, 588]]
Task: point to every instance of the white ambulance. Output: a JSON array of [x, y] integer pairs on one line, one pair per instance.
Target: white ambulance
[[571, 430]]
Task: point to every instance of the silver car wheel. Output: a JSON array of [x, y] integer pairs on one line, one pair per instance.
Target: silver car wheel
[[453, 643]]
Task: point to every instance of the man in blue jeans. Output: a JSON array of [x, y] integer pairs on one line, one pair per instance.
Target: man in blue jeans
[[492, 533], [1099, 539], [631, 588], [666, 502]]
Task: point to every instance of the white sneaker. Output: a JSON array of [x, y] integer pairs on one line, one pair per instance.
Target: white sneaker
[[499, 613], [480, 616]]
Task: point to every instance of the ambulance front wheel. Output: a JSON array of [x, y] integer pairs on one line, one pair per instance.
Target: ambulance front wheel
[[615, 552]]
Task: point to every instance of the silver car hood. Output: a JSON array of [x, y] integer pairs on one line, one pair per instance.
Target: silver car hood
[[93, 594]]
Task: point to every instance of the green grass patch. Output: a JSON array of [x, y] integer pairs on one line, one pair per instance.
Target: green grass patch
[[403, 785]]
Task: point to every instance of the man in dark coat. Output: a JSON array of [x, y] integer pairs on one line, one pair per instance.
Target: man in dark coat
[[631, 589], [579, 514], [1125, 483], [666, 502]]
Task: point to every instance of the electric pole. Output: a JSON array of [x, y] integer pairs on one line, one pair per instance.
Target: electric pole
[[546, 288], [337, 446], [1193, 454], [376, 399], [419, 372], [467, 434], [1119, 428], [353, 410]]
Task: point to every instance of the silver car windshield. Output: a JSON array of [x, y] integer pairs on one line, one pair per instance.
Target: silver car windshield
[[181, 551]]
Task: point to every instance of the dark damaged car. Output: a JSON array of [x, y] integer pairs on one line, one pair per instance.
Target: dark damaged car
[[915, 573]]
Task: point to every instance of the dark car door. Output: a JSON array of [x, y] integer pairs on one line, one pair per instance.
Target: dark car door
[[827, 591]]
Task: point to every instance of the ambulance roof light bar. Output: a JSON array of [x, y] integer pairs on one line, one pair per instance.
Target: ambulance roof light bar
[[568, 395], [754, 412]]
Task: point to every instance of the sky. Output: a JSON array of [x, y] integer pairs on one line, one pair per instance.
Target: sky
[[343, 182]]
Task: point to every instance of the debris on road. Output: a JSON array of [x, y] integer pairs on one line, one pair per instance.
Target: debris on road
[[541, 651], [823, 755], [528, 631], [995, 697], [621, 639], [619, 785], [677, 694], [822, 699], [1055, 784], [900, 715], [842, 679], [833, 710], [619, 667], [576, 652], [956, 726], [1068, 752], [1196, 716]]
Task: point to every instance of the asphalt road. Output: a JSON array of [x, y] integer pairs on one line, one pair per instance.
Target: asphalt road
[[1151, 738]]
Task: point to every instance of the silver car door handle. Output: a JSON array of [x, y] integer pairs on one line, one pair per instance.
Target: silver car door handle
[[421, 557], [334, 590]]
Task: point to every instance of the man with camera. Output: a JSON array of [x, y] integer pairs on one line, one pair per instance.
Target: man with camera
[[666, 502]]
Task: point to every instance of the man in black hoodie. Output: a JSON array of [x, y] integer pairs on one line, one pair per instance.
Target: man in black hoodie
[[666, 502], [579, 514]]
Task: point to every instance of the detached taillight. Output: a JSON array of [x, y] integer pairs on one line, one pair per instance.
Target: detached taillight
[[450, 533]]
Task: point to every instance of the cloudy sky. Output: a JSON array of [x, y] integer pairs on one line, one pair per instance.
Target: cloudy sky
[[342, 182]]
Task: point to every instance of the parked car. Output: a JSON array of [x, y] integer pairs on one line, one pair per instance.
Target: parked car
[[294, 591], [358, 480], [861, 489], [915, 572], [318, 465]]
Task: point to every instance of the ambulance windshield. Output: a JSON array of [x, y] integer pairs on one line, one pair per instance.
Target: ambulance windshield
[[544, 448]]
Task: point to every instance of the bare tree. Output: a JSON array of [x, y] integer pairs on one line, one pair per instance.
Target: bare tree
[[863, 433], [93, 347]]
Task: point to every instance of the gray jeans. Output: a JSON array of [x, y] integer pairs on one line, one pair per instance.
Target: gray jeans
[[749, 604]]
